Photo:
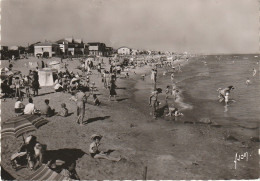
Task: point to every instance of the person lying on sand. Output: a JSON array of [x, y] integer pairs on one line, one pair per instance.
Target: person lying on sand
[[174, 112], [96, 153]]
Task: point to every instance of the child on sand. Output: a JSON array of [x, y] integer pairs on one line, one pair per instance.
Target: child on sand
[[96, 101], [64, 111], [96, 153]]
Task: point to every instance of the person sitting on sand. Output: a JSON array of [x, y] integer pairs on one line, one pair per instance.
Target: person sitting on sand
[[47, 110], [18, 107], [96, 101], [34, 151], [58, 87], [96, 153], [64, 111], [30, 107]]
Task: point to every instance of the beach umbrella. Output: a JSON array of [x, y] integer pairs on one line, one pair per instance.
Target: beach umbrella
[[20, 125], [45, 173]]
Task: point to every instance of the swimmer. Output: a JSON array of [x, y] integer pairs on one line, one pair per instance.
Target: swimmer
[[254, 72], [248, 82], [172, 77], [164, 73]]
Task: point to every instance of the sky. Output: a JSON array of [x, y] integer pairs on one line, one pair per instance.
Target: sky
[[196, 26]]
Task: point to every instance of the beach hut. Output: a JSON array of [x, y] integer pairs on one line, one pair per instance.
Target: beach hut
[[46, 77]]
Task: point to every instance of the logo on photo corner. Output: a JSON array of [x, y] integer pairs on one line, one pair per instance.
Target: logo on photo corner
[[241, 157]]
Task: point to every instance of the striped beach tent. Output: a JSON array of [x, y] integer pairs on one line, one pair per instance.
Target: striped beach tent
[[20, 125], [45, 173]]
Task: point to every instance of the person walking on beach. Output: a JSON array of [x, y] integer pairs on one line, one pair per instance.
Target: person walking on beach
[[81, 100], [112, 89], [35, 83]]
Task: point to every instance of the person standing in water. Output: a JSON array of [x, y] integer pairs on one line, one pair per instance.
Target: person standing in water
[[172, 77], [254, 72], [248, 82]]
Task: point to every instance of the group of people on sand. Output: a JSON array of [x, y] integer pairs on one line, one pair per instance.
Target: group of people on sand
[[30, 108], [12, 85], [33, 154], [153, 99]]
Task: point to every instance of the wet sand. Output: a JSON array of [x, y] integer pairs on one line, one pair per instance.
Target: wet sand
[[171, 149]]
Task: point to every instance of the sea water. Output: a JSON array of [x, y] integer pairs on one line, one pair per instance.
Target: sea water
[[198, 82]]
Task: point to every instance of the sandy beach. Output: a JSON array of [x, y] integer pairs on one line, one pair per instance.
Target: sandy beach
[[189, 147]]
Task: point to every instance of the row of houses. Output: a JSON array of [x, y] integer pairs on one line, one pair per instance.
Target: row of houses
[[66, 46], [71, 46]]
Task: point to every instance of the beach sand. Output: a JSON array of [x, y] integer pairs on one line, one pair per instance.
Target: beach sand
[[170, 149]]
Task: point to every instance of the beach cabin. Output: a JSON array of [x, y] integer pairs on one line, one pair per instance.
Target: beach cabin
[[48, 49], [124, 51], [46, 76]]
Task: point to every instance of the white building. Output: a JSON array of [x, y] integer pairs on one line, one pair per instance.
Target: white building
[[50, 48], [124, 51]]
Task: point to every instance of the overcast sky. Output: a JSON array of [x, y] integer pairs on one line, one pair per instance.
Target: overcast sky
[[202, 26]]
